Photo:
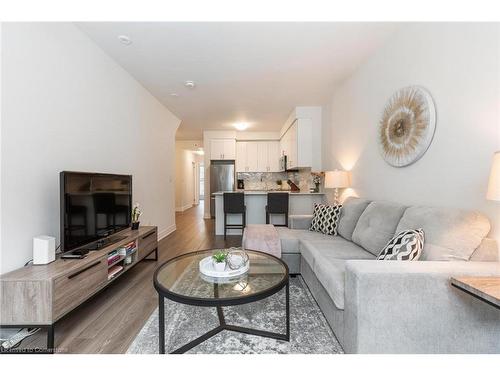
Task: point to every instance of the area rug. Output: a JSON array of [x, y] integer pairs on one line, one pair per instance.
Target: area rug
[[309, 331]]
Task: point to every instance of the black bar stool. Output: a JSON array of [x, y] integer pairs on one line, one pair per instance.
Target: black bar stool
[[234, 203], [277, 203]]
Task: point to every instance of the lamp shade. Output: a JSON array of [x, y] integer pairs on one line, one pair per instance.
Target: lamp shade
[[336, 179], [494, 183]]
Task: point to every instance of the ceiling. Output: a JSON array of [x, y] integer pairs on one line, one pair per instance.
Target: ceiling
[[244, 72]]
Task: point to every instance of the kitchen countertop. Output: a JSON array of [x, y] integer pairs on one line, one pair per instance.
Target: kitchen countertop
[[264, 192]]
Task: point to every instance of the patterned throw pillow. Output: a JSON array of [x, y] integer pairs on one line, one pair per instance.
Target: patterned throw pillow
[[325, 219], [406, 245]]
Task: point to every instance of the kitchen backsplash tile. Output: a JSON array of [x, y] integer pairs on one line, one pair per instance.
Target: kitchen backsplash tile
[[268, 180]]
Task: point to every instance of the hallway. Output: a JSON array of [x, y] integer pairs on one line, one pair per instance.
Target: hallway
[[108, 322]]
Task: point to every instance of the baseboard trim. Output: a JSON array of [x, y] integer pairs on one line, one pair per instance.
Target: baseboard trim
[[184, 208], [207, 216], [165, 232]]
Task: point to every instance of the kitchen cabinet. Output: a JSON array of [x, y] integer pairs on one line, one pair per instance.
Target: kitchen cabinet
[[273, 156], [296, 144], [222, 149], [257, 156], [262, 157], [252, 162], [246, 157], [241, 156]]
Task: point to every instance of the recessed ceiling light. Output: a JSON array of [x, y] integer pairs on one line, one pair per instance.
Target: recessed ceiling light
[[189, 84], [125, 40], [175, 95], [241, 125]]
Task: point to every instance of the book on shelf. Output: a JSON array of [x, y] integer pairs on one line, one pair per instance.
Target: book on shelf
[[127, 249], [114, 270], [113, 258]]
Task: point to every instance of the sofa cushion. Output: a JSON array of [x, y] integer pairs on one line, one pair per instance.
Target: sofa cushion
[[289, 240], [450, 234], [327, 260], [377, 224], [349, 216], [336, 247]]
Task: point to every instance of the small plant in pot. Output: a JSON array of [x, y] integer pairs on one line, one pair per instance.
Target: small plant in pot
[[219, 260], [136, 213]]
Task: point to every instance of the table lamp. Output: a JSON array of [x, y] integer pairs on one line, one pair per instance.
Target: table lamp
[[336, 180], [494, 183]]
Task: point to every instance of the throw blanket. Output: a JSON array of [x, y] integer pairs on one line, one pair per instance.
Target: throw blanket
[[262, 237]]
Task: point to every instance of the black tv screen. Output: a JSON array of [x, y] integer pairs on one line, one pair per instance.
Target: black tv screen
[[93, 207]]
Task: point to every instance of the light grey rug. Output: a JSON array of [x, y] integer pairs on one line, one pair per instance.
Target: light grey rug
[[309, 331]]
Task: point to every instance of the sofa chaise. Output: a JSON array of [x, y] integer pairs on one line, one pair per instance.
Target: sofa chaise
[[378, 306]]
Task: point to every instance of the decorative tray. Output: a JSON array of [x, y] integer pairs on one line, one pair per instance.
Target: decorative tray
[[207, 268]]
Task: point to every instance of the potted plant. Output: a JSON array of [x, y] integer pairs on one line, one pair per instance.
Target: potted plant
[[219, 260], [280, 184], [317, 181], [136, 213]]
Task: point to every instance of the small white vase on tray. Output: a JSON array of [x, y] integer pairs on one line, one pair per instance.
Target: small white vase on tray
[[219, 267]]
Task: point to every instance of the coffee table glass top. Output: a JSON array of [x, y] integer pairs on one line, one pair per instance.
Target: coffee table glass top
[[181, 279]]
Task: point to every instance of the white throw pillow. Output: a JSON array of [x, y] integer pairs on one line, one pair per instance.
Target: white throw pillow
[[406, 245]]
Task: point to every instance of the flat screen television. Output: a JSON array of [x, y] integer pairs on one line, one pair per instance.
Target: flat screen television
[[93, 207]]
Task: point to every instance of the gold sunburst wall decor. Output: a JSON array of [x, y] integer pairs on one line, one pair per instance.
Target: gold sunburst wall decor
[[407, 126]]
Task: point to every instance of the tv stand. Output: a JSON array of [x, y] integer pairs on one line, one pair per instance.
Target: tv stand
[[38, 296]]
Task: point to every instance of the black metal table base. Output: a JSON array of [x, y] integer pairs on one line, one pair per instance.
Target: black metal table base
[[155, 251], [222, 326]]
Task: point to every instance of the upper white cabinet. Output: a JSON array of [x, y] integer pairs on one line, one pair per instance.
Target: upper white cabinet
[[252, 163], [222, 149], [296, 144], [241, 156], [257, 156], [262, 157], [273, 156], [301, 139]]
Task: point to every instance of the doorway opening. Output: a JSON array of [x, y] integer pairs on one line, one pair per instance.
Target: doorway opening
[[201, 174]]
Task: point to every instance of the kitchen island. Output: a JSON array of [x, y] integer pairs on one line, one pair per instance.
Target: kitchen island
[[301, 203]]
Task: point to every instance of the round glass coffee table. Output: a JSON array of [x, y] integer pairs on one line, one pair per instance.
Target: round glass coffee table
[[179, 280]]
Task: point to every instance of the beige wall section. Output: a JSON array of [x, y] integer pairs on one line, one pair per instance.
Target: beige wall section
[[67, 106], [185, 182], [459, 64]]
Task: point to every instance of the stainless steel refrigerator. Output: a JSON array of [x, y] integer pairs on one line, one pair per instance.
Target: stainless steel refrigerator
[[221, 179]]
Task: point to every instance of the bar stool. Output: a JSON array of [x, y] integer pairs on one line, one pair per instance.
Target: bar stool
[[234, 203], [277, 203]]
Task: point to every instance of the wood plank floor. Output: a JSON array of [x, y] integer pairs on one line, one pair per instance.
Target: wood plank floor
[[109, 321]]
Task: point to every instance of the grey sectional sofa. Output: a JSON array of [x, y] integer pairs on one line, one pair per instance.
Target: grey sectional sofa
[[392, 306]]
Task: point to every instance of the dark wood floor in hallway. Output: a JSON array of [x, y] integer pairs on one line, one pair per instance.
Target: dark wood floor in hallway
[[109, 321]]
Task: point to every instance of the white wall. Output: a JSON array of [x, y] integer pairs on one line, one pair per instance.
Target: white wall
[[67, 106], [460, 65]]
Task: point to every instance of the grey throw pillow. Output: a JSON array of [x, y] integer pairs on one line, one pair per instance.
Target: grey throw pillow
[[406, 245], [325, 219]]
